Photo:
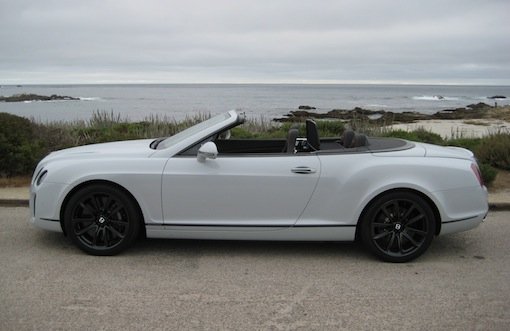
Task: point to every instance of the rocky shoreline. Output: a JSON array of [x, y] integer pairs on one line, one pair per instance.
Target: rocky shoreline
[[35, 97], [473, 111]]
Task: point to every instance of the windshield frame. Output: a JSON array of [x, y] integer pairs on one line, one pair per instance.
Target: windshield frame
[[193, 130]]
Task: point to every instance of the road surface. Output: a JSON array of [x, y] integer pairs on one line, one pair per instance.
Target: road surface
[[461, 283]]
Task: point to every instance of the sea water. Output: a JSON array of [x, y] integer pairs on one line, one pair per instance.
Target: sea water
[[139, 101]]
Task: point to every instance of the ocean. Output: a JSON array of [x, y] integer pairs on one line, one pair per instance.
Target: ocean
[[138, 101]]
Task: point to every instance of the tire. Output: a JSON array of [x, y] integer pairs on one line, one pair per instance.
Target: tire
[[102, 220], [398, 227]]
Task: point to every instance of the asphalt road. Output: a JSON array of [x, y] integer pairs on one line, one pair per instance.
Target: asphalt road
[[462, 283]]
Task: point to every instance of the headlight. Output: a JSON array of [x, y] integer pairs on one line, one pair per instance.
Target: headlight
[[41, 177]]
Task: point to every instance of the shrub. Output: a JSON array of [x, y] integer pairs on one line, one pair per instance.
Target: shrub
[[488, 173], [419, 135], [19, 150], [495, 150], [468, 143]]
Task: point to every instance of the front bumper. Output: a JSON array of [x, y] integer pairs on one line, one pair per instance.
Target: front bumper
[[45, 203]]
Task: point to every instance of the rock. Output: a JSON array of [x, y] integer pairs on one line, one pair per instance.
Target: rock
[[478, 106], [35, 97], [474, 111], [306, 107], [497, 97]]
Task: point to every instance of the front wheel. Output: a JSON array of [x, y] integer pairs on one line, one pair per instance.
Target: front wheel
[[101, 220], [398, 227]]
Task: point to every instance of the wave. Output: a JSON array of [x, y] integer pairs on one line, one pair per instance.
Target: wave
[[89, 98], [435, 98]]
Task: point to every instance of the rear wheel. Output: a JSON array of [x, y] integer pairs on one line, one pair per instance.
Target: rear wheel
[[398, 227], [102, 220]]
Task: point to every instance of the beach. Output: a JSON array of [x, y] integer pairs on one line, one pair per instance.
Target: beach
[[447, 129]]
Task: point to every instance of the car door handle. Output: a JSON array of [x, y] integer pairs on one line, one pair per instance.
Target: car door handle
[[303, 170]]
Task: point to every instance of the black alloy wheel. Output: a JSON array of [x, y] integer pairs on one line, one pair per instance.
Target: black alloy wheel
[[398, 227], [102, 220]]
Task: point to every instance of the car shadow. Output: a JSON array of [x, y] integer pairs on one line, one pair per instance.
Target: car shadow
[[447, 247], [57, 242], [241, 247]]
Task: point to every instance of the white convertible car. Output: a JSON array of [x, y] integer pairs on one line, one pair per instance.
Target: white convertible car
[[392, 194]]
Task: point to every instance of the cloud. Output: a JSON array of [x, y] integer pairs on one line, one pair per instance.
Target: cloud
[[254, 41]]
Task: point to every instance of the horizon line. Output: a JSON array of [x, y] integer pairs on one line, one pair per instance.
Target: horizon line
[[257, 83]]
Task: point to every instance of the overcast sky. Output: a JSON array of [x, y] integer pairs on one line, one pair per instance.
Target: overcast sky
[[258, 41]]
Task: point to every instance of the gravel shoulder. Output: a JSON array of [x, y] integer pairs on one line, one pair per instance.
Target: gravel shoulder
[[461, 283]]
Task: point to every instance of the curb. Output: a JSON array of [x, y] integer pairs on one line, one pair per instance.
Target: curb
[[499, 206], [13, 203], [493, 206]]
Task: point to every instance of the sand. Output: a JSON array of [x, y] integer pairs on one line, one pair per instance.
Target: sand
[[458, 128]]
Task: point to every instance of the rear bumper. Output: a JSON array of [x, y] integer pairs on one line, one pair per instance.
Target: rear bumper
[[462, 224], [463, 209]]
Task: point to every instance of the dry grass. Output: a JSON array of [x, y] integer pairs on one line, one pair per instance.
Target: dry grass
[[17, 181], [500, 113], [476, 122]]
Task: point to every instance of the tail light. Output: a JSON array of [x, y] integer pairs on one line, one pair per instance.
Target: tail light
[[477, 172]]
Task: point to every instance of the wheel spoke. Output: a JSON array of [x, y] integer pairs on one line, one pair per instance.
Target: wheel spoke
[[381, 235], [411, 240], [115, 210], [88, 208], [414, 219], [96, 235], [408, 211], [386, 213], [396, 210], [103, 237], [94, 203], [86, 229], [115, 232], [392, 240], [420, 232], [381, 225], [83, 219], [106, 205], [399, 242]]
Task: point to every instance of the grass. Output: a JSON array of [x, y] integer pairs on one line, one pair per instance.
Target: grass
[[24, 142]]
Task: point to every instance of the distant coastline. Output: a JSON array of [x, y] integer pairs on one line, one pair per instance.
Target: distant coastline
[[24, 97]]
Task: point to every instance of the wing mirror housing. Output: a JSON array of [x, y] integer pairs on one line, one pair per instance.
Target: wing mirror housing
[[207, 151]]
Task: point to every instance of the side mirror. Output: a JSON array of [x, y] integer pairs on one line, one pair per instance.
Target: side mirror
[[207, 151]]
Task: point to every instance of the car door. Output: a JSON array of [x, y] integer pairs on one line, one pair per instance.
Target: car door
[[240, 190]]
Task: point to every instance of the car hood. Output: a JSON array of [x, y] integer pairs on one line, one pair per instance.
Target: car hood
[[130, 148], [447, 152]]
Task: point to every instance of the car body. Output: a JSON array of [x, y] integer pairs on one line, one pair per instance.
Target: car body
[[199, 185]]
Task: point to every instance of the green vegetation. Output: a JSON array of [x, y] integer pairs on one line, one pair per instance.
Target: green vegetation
[[19, 151], [420, 135], [495, 150], [24, 142]]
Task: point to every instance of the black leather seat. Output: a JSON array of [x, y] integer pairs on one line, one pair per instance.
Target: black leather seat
[[347, 138], [360, 140], [312, 135], [290, 144]]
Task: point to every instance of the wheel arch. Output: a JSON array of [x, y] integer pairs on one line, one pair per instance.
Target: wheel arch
[[104, 182], [426, 198]]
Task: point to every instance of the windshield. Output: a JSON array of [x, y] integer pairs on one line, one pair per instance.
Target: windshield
[[192, 130]]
